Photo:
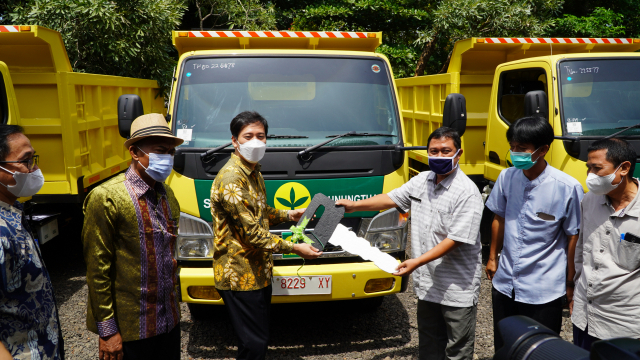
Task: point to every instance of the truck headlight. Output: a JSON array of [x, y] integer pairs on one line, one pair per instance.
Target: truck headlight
[[195, 239], [388, 231]]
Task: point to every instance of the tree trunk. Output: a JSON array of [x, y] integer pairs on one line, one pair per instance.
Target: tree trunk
[[425, 55]]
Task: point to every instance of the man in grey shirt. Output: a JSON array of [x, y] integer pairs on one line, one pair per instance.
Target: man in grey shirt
[[606, 302], [446, 262]]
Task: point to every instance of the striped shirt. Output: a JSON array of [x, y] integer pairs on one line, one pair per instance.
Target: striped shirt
[[451, 209], [129, 236]]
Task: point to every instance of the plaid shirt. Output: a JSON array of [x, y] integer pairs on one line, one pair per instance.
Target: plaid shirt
[[241, 219]]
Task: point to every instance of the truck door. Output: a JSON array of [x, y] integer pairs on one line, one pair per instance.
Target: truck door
[[511, 83], [8, 108]]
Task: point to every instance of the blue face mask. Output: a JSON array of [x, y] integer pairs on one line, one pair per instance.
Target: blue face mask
[[522, 160], [160, 166], [442, 165]]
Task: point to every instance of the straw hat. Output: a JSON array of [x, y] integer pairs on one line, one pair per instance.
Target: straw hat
[[150, 125]]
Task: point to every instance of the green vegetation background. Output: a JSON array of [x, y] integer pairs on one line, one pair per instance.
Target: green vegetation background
[[132, 37]]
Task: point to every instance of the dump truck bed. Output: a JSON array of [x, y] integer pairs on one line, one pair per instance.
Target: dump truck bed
[[70, 118]]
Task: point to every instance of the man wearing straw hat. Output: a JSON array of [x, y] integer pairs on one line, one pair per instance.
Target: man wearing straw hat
[[130, 226]]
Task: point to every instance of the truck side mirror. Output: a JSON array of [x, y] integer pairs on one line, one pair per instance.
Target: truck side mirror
[[455, 113], [536, 103], [129, 108]]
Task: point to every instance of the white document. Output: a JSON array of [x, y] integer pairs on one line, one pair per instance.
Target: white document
[[358, 246], [184, 134], [574, 127]]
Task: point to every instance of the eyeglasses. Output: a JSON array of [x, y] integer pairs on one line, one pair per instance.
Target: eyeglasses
[[29, 163]]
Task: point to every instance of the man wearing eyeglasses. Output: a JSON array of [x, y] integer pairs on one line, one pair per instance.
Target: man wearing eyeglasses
[[29, 326]]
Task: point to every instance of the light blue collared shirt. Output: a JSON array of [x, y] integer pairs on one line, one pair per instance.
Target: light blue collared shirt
[[539, 215]]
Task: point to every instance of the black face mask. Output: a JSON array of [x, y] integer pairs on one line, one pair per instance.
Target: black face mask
[[442, 165]]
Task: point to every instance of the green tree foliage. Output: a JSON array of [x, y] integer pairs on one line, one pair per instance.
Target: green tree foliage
[[454, 20], [399, 20], [116, 37], [601, 23], [587, 11], [235, 14]]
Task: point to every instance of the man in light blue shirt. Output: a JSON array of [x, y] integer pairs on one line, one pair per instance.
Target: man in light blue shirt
[[535, 230]]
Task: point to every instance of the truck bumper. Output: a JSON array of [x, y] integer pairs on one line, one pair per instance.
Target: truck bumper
[[349, 281]]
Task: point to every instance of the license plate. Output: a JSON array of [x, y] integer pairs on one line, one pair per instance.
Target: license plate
[[305, 285]]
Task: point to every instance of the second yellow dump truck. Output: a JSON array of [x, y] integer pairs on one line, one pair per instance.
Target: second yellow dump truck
[[70, 118], [587, 88]]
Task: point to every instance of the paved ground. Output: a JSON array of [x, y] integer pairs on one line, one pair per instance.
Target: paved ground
[[302, 331]]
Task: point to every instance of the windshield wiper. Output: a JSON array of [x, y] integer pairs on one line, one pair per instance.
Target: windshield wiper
[[334, 137], [620, 132], [362, 134], [209, 155], [287, 137]]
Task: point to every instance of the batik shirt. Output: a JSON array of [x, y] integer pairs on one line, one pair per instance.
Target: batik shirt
[[129, 237], [241, 219], [28, 315]]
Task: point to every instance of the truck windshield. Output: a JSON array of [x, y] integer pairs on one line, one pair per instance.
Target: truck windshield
[[600, 97], [305, 98]]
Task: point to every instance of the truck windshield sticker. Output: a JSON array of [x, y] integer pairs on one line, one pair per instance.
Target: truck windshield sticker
[[224, 65], [375, 68], [574, 125], [184, 134]]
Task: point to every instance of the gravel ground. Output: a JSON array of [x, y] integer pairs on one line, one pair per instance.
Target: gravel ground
[[316, 331]]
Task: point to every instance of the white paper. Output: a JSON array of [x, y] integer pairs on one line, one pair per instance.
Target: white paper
[[574, 127], [184, 134], [358, 246]]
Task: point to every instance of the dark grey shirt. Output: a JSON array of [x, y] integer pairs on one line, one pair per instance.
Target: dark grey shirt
[[607, 293]]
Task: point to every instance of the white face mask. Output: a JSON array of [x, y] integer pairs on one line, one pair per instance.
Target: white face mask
[[602, 185], [160, 166], [27, 184], [252, 150]]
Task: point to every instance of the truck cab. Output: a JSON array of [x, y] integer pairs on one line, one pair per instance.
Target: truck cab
[[586, 88], [311, 87]]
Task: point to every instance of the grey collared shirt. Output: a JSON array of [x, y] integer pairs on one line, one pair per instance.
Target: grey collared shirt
[[451, 209], [607, 293]]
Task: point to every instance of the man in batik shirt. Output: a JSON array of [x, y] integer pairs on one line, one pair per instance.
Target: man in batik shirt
[[242, 242], [131, 223], [29, 326]]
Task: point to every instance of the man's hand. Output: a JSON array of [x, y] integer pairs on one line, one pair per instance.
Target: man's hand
[[570, 287], [571, 307], [492, 267], [4, 354], [306, 251], [110, 347], [349, 206], [295, 215], [407, 267]]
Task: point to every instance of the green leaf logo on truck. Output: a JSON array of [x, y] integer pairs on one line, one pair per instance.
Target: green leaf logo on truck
[[291, 196]]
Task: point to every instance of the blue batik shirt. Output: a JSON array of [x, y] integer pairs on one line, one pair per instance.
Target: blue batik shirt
[[28, 315], [538, 215]]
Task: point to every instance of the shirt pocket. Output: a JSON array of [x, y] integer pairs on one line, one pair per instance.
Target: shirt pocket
[[627, 255], [441, 221]]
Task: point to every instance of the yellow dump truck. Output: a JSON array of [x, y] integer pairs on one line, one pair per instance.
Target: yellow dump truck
[[587, 88], [334, 128], [70, 118]]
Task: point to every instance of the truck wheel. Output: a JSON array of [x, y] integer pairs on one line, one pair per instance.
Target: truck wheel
[[204, 312]]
